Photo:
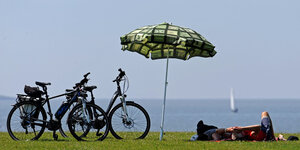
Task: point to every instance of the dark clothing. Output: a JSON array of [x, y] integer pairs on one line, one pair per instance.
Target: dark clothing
[[267, 128], [201, 131]]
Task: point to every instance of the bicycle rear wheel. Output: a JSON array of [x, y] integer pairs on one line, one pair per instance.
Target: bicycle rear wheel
[[88, 124], [136, 126], [26, 121]]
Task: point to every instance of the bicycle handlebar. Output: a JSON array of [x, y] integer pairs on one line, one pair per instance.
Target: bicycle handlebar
[[83, 81], [120, 76], [86, 74]]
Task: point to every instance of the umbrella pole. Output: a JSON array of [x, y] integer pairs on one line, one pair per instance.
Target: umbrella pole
[[164, 102]]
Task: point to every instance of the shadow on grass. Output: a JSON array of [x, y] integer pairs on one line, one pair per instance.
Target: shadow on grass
[[71, 139], [51, 140]]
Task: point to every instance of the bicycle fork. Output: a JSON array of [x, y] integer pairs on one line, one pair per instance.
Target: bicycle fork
[[124, 108], [85, 116]]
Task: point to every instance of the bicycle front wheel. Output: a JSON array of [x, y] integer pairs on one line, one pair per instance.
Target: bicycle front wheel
[[136, 126], [88, 124], [26, 121]]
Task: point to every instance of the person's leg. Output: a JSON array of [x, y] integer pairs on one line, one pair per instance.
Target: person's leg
[[216, 137], [221, 134], [266, 125], [209, 133]]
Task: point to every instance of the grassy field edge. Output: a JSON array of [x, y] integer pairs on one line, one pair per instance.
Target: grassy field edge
[[172, 140]]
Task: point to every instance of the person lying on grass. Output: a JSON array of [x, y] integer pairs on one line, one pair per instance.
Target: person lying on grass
[[262, 132]]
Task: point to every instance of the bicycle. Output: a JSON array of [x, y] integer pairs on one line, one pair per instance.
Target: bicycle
[[29, 116], [127, 119], [69, 96]]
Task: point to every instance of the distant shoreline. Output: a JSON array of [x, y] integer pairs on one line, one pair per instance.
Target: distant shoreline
[[6, 97]]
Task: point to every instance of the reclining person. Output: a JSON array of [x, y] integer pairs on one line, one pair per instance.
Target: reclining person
[[262, 132]]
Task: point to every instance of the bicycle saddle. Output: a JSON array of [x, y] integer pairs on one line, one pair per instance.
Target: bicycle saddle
[[70, 90], [42, 84], [90, 88]]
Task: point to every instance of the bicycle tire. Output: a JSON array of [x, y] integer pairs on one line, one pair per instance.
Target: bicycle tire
[[83, 131], [62, 133], [121, 129], [23, 119]]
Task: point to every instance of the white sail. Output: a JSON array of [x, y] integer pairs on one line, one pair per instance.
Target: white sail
[[232, 106]]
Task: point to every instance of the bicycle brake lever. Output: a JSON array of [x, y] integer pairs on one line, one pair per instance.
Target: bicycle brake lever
[[86, 74]]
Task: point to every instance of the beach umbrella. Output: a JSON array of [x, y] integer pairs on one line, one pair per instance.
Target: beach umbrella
[[167, 41]]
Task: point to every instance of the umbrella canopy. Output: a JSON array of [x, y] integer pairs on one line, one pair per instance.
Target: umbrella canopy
[[167, 41]]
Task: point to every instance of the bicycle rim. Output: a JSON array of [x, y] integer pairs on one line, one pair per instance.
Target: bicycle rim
[[26, 121], [136, 127]]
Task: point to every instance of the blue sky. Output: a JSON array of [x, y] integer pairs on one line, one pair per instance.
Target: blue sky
[[58, 41]]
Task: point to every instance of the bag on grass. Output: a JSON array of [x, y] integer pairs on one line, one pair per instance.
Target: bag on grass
[[293, 138]]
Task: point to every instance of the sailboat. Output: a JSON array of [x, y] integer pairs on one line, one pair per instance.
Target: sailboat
[[232, 106]]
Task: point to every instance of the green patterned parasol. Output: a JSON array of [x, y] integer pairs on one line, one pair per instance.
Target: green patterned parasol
[[156, 40], [167, 41]]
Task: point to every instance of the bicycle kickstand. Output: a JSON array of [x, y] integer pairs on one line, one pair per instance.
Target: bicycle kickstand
[[55, 136]]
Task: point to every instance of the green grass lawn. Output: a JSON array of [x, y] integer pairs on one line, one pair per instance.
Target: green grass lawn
[[172, 140]]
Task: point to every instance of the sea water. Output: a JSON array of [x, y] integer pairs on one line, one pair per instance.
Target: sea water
[[183, 115]]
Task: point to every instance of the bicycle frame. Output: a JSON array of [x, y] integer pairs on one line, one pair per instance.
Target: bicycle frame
[[47, 100], [122, 96], [48, 103]]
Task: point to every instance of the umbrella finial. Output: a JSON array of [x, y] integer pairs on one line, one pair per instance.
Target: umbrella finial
[[165, 23]]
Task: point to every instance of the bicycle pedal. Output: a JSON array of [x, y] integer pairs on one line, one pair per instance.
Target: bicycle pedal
[[99, 134]]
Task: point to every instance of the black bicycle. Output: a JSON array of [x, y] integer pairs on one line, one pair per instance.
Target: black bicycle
[[27, 120], [127, 119]]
